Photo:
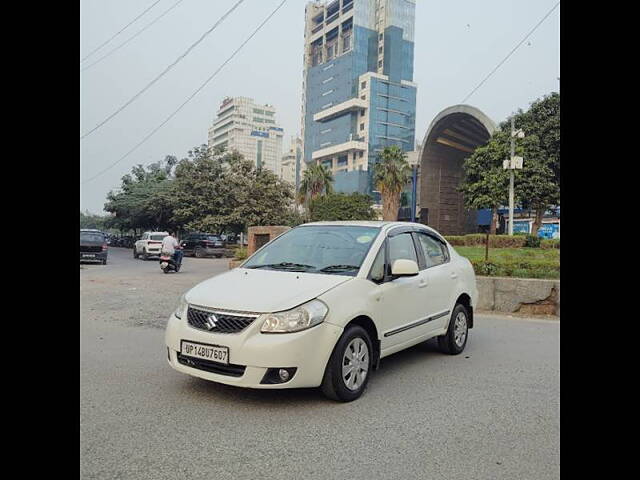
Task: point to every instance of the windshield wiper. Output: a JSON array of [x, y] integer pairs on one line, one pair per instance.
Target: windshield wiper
[[339, 268], [285, 266]]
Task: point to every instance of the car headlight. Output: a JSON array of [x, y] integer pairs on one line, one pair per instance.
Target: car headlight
[[182, 306], [300, 318]]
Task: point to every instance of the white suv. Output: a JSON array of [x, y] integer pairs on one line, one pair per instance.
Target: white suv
[[149, 245], [321, 304]]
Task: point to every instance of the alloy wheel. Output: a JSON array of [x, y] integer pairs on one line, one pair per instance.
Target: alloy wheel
[[460, 329], [355, 363]]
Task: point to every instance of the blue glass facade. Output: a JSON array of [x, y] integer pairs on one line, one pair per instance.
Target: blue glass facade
[[389, 115]]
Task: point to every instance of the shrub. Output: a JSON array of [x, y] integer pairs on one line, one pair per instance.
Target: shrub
[[517, 268], [240, 253], [548, 243], [532, 241], [455, 240]]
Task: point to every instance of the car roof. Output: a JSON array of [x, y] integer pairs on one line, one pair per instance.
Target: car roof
[[157, 233], [370, 223]]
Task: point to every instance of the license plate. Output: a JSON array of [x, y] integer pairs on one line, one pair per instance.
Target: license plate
[[88, 255], [213, 353]]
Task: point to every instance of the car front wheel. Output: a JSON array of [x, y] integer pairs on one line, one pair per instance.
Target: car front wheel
[[135, 253], [347, 372], [454, 341]]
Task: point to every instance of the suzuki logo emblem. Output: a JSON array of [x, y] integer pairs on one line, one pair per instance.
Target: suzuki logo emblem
[[211, 322]]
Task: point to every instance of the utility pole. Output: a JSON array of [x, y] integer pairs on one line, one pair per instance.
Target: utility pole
[[513, 163], [511, 175]]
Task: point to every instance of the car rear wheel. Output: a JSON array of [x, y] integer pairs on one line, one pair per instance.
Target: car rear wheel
[[199, 252], [347, 372], [455, 340]]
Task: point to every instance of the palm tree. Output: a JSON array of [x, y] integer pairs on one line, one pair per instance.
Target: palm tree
[[391, 175], [316, 180]]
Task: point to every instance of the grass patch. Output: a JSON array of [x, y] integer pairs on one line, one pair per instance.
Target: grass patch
[[514, 262]]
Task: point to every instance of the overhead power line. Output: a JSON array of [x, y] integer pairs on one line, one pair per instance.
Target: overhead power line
[[164, 72], [511, 52], [174, 113], [113, 50], [119, 31]]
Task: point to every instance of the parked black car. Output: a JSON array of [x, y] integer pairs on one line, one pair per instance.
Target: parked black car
[[93, 246], [202, 245]]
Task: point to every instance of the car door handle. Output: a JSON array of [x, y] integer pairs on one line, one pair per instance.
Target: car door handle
[[454, 275], [422, 284]]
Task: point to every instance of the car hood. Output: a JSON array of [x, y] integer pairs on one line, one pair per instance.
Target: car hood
[[261, 291]]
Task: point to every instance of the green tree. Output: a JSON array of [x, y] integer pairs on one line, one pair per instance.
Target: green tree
[[91, 220], [340, 206], [391, 175], [538, 184], [216, 192], [484, 184], [316, 180], [139, 202]]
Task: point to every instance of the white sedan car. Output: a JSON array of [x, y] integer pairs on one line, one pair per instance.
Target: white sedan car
[[321, 304]]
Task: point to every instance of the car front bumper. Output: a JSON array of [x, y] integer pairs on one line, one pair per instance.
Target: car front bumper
[[308, 351]]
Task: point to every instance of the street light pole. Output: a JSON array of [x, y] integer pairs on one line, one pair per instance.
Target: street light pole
[[511, 176]]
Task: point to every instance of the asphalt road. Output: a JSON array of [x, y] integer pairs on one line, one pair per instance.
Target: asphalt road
[[491, 413]]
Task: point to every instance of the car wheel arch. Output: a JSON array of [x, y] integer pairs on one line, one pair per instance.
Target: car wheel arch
[[465, 299], [369, 325]]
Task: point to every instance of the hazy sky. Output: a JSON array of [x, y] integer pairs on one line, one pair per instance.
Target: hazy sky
[[458, 42]]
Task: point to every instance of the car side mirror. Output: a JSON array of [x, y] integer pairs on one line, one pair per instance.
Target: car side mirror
[[404, 268]]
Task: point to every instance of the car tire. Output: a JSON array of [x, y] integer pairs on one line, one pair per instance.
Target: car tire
[[335, 383], [104, 262], [145, 255], [455, 340], [199, 253], [135, 253], [218, 256]]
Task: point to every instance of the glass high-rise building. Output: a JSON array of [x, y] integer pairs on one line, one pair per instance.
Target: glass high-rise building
[[358, 90], [251, 129]]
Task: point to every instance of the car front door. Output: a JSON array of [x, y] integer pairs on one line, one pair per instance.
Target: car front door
[[399, 312], [440, 278]]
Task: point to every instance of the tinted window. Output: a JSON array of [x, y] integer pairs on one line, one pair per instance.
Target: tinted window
[[158, 238], [401, 247], [435, 252], [91, 237], [211, 238]]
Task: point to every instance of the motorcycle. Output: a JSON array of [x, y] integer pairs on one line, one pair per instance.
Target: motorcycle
[[168, 263]]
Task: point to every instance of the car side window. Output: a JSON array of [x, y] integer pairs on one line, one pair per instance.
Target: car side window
[[435, 252], [401, 247], [377, 269]]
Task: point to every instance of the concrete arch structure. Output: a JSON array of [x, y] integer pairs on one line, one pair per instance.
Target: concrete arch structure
[[451, 137]]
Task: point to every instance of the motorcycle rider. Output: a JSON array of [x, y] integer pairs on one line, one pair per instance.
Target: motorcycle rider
[[171, 246]]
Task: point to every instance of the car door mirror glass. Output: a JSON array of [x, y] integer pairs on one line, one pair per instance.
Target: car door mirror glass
[[404, 268]]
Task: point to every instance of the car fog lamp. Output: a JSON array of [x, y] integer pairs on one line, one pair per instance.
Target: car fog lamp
[[284, 374]]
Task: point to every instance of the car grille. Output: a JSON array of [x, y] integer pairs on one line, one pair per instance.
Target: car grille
[[212, 367], [90, 248], [225, 322]]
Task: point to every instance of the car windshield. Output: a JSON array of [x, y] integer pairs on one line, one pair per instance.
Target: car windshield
[[212, 238], [317, 249], [157, 238], [91, 237]]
